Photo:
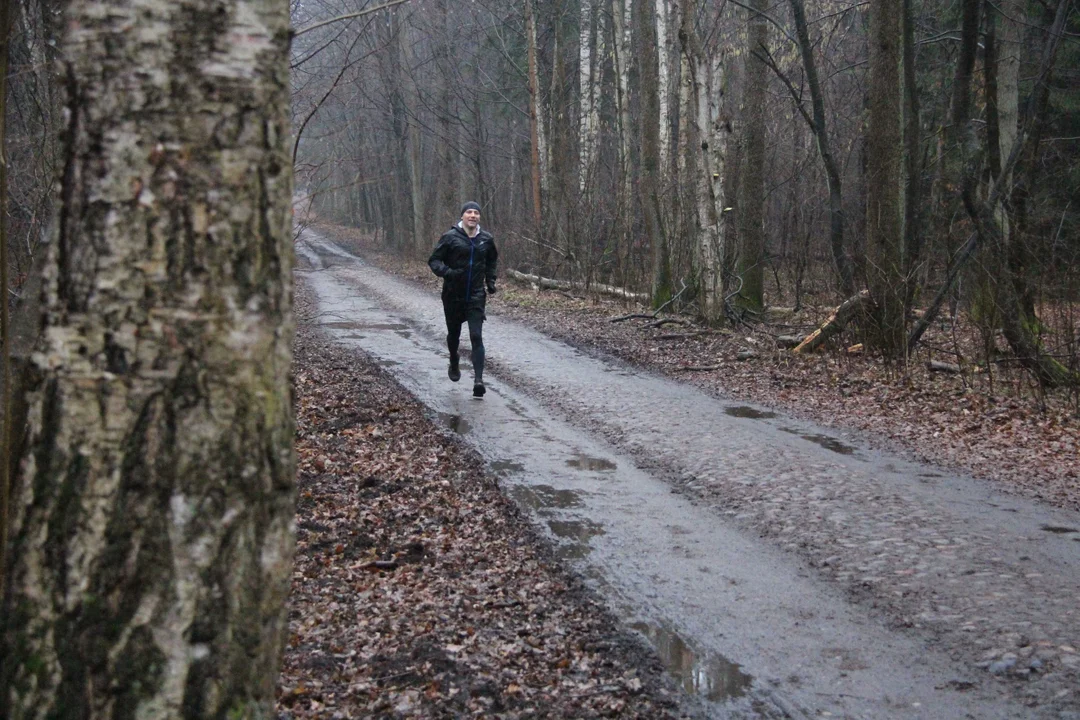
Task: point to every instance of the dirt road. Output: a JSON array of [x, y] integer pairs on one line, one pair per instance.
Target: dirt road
[[763, 556]]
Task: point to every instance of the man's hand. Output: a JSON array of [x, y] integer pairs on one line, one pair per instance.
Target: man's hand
[[454, 272], [491, 288]]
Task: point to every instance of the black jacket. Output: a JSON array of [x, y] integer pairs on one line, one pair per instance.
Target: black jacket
[[466, 265]]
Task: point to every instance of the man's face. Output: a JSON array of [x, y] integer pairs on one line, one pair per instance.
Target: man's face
[[470, 218]]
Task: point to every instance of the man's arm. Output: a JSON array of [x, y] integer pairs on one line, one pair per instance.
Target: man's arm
[[492, 263], [437, 261]]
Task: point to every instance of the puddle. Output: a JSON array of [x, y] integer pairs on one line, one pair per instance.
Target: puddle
[[584, 462], [577, 534], [506, 467], [1058, 529], [710, 676], [455, 422], [543, 497], [365, 326], [826, 441], [744, 411]]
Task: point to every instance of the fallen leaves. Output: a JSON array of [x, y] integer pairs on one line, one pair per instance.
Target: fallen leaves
[[418, 589]]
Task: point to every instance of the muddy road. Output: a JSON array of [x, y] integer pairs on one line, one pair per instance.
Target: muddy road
[[764, 558]]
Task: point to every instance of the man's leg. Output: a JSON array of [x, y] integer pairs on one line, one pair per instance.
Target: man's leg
[[476, 337], [453, 338]]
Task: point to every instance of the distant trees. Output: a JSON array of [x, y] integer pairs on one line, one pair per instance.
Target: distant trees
[[604, 148]]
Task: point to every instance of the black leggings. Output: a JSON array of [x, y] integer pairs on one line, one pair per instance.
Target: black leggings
[[475, 318]]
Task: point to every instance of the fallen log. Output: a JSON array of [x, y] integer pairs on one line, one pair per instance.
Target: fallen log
[[789, 341], [552, 284], [943, 367], [835, 322]]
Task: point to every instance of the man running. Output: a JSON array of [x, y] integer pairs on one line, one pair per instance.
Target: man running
[[465, 259]]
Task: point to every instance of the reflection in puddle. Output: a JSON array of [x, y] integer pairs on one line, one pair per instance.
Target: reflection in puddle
[[584, 462], [1058, 529], [711, 676], [577, 533], [455, 422], [364, 326], [744, 411], [825, 441], [506, 467], [542, 497]]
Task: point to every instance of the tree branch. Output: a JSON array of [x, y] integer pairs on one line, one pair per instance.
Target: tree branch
[[350, 16]]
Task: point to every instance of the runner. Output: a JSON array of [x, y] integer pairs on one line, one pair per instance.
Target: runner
[[465, 259]]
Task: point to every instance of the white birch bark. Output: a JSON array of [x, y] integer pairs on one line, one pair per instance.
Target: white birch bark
[[587, 92], [621, 13], [663, 49], [706, 137], [152, 530]]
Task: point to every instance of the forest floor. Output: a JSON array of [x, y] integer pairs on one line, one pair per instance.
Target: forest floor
[[418, 589], [995, 426], [421, 591]]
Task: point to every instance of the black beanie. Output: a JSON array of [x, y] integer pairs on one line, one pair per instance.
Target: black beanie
[[471, 205]]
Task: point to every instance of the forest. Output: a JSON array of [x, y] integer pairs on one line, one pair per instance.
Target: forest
[[896, 180], [724, 155]]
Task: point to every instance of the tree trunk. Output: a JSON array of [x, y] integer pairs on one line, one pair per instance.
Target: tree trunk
[[447, 200], [588, 119], [752, 205], [832, 173], [151, 543], [536, 145], [621, 15], [663, 51], [649, 182], [705, 139], [6, 404], [913, 194], [884, 172], [418, 242]]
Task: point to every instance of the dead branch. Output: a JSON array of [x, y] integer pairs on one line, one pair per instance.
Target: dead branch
[[668, 321], [552, 284], [943, 367], [835, 322], [700, 368]]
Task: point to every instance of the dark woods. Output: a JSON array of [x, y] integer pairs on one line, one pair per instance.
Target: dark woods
[[756, 155]]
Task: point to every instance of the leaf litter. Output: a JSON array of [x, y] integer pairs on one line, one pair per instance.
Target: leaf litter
[[419, 590]]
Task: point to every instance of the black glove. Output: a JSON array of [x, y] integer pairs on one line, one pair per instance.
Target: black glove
[[491, 288], [454, 273]]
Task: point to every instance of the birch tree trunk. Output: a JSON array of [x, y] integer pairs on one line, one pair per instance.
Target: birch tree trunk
[[705, 143], [152, 539], [621, 15], [663, 49], [647, 52], [590, 68]]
